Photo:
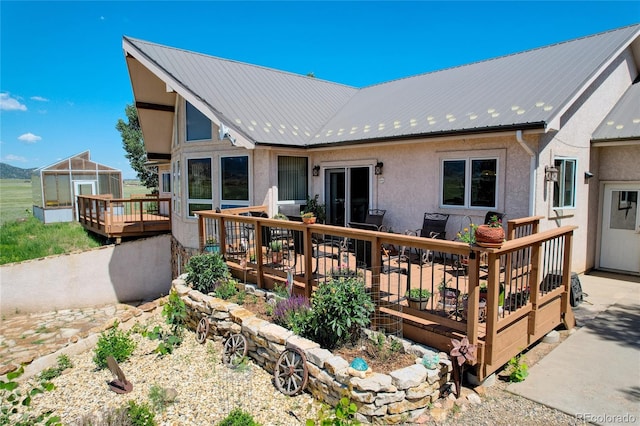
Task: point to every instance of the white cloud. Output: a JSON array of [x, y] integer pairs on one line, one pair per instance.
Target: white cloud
[[29, 138], [39, 99], [8, 103], [11, 157]]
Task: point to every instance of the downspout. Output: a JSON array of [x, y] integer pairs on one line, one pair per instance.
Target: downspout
[[532, 172]]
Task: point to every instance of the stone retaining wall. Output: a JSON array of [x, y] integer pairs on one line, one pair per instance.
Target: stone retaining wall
[[401, 396]]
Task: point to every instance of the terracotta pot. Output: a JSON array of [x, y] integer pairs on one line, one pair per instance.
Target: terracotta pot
[[309, 220], [487, 236]]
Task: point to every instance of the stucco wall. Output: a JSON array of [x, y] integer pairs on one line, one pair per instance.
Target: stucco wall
[[574, 141], [619, 163], [132, 271]]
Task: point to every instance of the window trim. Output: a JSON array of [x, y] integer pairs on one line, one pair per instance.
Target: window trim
[[561, 182], [163, 176], [498, 156]]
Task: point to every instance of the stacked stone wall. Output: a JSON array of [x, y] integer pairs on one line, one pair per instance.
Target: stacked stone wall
[[400, 396]]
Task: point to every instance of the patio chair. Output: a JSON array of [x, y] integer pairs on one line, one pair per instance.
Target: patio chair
[[375, 217], [433, 226]]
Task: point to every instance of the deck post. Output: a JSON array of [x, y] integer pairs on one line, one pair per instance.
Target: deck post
[[201, 232], [534, 287], [473, 297], [308, 262], [376, 267], [259, 260], [567, 313], [493, 285]]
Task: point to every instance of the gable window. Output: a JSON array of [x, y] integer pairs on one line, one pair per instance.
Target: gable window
[[564, 190], [293, 178], [198, 125], [469, 182], [234, 181], [199, 189]]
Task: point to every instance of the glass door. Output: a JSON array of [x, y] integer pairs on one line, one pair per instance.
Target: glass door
[[348, 194], [620, 238], [82, 187]]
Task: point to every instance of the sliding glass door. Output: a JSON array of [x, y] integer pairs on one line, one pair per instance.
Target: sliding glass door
[[348, 194]]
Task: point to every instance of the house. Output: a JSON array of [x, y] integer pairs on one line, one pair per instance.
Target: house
[[551, 132], [56, 187]]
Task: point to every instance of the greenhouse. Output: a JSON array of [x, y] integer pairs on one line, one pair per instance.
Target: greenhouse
[[55, 187]]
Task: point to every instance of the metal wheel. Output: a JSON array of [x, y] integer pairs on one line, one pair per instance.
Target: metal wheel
[[202, 331], [291, 373], [235, 348]]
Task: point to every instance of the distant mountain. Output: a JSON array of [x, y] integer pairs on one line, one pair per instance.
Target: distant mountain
[[10, 172]]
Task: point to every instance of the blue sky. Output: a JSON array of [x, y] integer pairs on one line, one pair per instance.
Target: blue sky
[[64, 82]]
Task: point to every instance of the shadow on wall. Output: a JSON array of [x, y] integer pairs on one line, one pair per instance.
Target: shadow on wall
[[141, 269]]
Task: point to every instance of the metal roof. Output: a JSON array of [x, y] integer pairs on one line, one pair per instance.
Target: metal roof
[[527, 89], [623, 122], [267, 105]]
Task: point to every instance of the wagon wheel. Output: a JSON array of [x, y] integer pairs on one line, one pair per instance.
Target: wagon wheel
[[291, 373], [202, 331], [235, 348]]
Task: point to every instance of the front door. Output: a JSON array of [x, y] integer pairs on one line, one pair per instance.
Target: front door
[[348, 194], [82, 187], [620, 241]]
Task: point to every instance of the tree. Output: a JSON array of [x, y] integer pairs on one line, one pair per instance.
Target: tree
[[132, 143]]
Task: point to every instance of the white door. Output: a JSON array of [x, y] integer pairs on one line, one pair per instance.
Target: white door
[[82, 187], [620, 244]]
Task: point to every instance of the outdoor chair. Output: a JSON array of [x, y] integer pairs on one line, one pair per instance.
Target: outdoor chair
[[433, 226], [375, 217]]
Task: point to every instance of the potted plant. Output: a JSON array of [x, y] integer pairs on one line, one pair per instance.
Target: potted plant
[[276, 251], [468, 235], [313, 206], [309, 218], [448, 295], [211, 245], [417, 298], [482, 307], [491, 234]]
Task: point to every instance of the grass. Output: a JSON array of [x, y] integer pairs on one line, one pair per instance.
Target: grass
[[23, 237]]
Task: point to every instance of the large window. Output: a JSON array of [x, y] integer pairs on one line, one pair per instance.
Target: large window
[[292, 178], [234, 181], [198, 125], [199, 189], [166, 182], [470, 182], [564, 190]]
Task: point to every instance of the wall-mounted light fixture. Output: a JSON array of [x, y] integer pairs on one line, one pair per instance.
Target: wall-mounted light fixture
[[550, 174], [588, 175], [378, 169], [316, 170]]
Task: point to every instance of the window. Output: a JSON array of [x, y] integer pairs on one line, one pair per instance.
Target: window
[[234, 181], [166, 182], [198, 125], [199, 189], [470, 182], [564, 190], [177, 201], [292, 178]]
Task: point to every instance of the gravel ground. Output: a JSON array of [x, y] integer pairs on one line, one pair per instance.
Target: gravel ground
[[207, 391]]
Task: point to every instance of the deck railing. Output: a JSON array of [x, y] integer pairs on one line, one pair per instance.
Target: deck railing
[[124, 217], [527, 279]]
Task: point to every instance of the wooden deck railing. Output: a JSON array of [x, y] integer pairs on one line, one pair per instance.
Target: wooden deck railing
[[528, 278], [122, 217]]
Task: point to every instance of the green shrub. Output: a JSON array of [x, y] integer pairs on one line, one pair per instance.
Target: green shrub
[[141, 414], [343, 415], [225, 289], [295, 314], [518, 369], [168, 341], [159, 398], [238, 417], [175, 312], [341, 307], [114, 342], [51, 373], [204, 270]]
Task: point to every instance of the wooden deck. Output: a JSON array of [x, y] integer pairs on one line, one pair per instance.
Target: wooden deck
[[123, 218], [528, 278]]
